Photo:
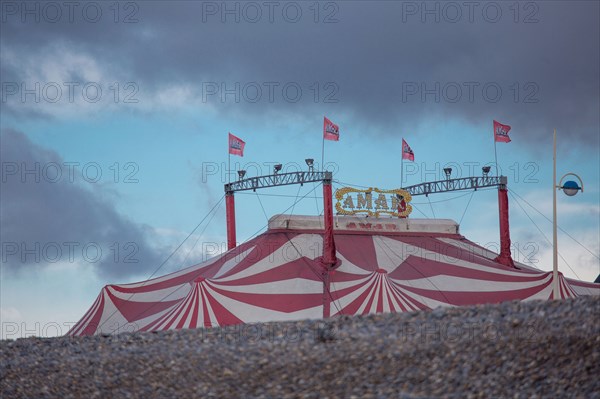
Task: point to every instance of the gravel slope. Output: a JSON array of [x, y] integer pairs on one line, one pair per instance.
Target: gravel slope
[[547, 349]]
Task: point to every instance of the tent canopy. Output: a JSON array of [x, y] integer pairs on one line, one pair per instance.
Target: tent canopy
[[384, 265]]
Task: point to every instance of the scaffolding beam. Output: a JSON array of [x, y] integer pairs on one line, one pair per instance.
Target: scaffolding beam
[[465, 183], [282, 179]]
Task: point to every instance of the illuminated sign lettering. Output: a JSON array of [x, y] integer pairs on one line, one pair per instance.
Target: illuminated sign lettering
[[373, 202]]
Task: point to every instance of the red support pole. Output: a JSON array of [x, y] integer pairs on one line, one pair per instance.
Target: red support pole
[[329, 259], [326, 295], [230, 216], [328, 241], [505, 257]]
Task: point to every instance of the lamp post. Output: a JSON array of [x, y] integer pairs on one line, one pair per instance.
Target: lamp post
[[570, 188]]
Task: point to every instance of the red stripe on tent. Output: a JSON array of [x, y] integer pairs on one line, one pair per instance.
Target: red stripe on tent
[[341, 276], [561, 289], [169, 322], [390, 298], [447, 251], [156, 324], [302, 269], [582, 283], [395, 294], [75, 330], [223, 315], [194, 320], [169, 283], [188, 304], [353, 306], [263, 249], [411, 302], [279, 302], [205, 313], [522, 268], [165, 322], [153, 326], [93, 325], [134, 311], [415, 267], [234, 255], [382, 281], [570, 289], [372, 289], [342, 292], [358, 250], [150, 326], [475, 298], [195, 271]]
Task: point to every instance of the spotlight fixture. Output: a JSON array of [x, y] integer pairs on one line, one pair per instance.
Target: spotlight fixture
[[241, 174], [310, 162], [277, 168], [486, 170], [448, 172]]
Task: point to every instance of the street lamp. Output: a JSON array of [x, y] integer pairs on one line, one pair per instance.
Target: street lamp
[[570, 188]]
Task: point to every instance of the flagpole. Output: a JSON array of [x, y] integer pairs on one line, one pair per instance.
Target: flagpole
[[402, 170], [229, 166], [555, 291], [323, 155], [496, 155]]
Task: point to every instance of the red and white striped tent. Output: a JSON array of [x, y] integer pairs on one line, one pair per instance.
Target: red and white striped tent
[[384, 265]]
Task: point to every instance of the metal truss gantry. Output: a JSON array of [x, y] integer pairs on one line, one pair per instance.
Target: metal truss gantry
[[465, 183], [279, 179]]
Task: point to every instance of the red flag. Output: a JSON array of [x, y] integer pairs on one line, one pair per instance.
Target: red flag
[[331, 131], [501, 132], [407, 152], [236, 145]]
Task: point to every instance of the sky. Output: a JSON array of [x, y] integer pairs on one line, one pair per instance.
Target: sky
[[114, 120]]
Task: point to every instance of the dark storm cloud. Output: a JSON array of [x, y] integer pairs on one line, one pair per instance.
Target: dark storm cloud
[[395, 63], [50, 217]]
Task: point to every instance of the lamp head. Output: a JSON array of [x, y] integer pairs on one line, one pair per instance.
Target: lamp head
[[448, 172], [570, 188]]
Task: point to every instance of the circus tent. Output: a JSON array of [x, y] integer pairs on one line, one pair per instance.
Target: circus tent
[[383, 265]]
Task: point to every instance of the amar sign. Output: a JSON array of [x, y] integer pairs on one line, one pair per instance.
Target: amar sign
[[373, 202]]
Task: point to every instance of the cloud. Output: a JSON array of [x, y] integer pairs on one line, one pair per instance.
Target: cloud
[[578, 261], [569, 207], [60, 82], [53, 216], [384, 64]]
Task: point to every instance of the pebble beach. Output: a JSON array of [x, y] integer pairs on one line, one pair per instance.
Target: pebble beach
[[536, 349]]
